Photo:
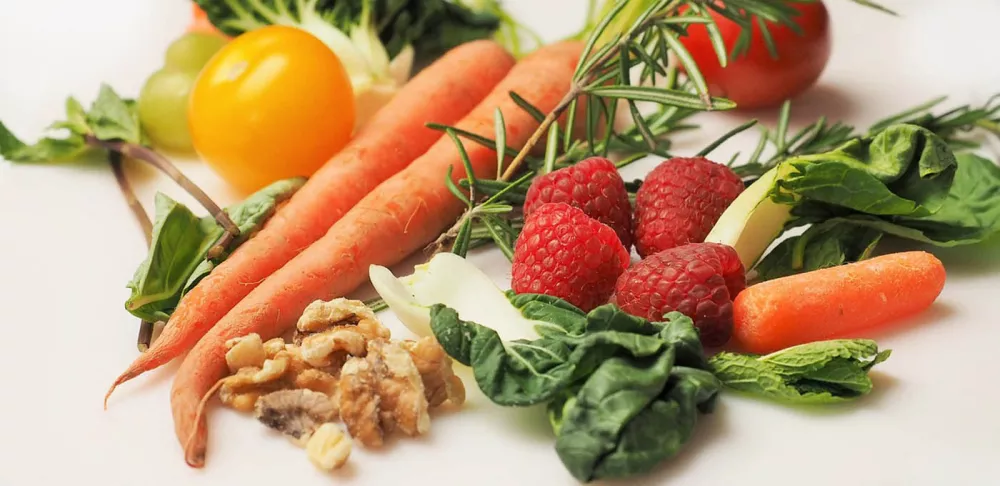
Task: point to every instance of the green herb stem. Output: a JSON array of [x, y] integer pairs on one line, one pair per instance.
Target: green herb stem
[[153, 158], [145, 338]]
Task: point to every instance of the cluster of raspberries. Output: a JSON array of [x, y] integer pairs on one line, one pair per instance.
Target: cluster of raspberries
[[580, 228]]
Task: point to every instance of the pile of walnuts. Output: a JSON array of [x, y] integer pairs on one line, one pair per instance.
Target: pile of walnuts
[[340, 363]]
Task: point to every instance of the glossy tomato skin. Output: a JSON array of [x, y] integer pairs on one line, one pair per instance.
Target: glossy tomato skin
[[273, 103], [757, 80]]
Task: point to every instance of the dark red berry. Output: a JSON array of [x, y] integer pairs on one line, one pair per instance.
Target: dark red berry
[[593, 185], [680, 201], [699, 280], [564, 253]]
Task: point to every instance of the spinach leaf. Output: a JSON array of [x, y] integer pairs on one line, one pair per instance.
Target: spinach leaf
[[969, 214], [179, 252], [660, 430], [821, 246], [517, 373], [905, 170], [820, 372], [622, 392], [630, 415]]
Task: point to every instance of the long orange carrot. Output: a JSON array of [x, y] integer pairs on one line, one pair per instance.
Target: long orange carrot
[[443, 92], [402, 215], [836, 302]]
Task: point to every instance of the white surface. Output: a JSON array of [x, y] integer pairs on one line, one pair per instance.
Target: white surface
[[68, 245]]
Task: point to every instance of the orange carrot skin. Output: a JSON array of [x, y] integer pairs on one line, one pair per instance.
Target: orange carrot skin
[[393, 139], [402, 215], [836, 302]]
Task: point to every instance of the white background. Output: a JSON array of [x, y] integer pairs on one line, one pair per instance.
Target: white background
[[68, 245]]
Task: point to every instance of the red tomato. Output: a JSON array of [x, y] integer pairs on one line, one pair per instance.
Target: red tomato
[[756, 79]]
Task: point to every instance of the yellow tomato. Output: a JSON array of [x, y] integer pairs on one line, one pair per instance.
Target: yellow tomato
[[274, 103]]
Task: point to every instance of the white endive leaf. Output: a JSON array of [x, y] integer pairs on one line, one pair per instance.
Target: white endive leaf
[[455, 282]]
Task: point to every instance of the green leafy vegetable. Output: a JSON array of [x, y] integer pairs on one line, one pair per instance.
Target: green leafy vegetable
[[181, 252], [969, 214], [430, 27], [824, 245], [820, 372], [623, 393], [904, 171], [110, 118]]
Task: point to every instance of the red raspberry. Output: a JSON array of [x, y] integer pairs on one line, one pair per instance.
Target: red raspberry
[[680, 201], [564, 253], [699, 280], [593, 185]]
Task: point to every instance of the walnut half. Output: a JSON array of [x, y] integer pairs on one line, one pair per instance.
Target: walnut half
[[435, 367]]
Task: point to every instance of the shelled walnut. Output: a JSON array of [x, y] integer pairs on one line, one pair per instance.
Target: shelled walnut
[[342, 364]]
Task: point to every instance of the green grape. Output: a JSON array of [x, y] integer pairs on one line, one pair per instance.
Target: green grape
[[163, 104], [191, 51]]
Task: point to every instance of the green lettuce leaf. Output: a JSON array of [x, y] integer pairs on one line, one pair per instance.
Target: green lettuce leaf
[[814, 373], [181, 242]]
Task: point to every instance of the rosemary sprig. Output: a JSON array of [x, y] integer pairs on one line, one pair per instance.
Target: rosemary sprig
[[630, 35]]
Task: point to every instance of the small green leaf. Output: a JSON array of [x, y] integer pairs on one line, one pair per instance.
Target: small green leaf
[[177, 258], [813, 373], [111, 118], [470, 173], [527, 106], [551, 148], [726, 136], [450, 183], [500, 132], [662, 96], [690, 66]]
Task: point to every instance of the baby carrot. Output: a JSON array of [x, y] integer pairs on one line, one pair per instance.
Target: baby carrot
[[835, 302], [399, 217], [397, 136]]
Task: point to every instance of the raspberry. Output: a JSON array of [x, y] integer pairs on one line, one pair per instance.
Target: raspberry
[[680, 201], [699, 280], [564, 253], [593, 185]]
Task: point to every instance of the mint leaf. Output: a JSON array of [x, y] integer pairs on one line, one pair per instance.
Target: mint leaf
[[76, 118], [45, 150], [814, 373], [112, 118]]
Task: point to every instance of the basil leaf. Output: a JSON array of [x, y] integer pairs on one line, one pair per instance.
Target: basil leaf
[[178, 256], [180, 242], [820, 372]]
